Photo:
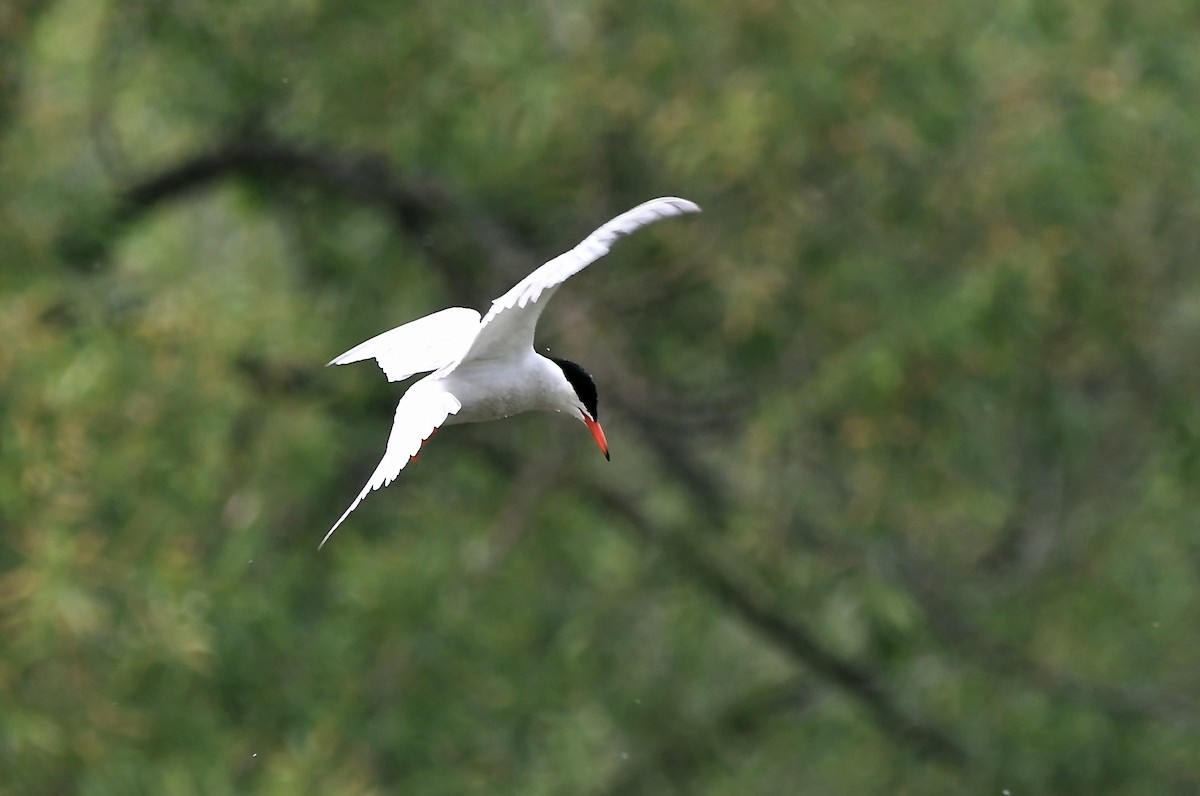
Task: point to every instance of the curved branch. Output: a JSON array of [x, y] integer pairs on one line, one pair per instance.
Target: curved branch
[[687, 751], [960, 636], [789, 634], [363, 178]]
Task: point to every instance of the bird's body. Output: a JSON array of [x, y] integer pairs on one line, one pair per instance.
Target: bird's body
[[487, 369], [494, 389]]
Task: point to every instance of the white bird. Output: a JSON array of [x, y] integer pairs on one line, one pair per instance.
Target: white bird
[[487, 369]]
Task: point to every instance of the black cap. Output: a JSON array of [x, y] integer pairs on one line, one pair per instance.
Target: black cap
[[581, 381]]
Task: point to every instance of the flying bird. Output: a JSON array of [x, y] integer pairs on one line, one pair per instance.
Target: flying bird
[[487, 369]]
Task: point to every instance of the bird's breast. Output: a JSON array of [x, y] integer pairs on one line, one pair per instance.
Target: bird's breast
[[492, 391]]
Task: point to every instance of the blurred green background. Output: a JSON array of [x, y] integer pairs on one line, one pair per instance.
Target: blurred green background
[[905, 490]]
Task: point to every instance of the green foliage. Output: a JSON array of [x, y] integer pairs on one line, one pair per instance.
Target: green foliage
[[904, 429]]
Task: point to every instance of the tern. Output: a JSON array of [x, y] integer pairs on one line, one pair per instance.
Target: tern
[[487, 369]]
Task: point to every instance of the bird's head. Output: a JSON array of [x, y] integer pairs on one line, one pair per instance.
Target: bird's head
[[585, 390]]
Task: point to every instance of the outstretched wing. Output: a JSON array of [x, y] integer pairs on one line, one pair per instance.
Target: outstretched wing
[[419, 346], [420, 412], [509, 325]]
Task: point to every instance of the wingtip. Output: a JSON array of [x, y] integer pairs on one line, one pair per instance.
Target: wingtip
[[681, 204], [341, 519], [326, 539]]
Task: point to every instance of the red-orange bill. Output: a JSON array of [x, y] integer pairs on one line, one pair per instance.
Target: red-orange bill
[[597, 434]]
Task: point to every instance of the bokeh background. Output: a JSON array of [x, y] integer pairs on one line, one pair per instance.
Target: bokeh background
[[905, 489]]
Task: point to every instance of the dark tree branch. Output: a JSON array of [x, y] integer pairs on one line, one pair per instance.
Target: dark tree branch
[[363, 178], [787, 633], [685, 753], [962, 637]]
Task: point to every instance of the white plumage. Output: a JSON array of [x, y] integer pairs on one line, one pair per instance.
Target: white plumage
[[487, 369]]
